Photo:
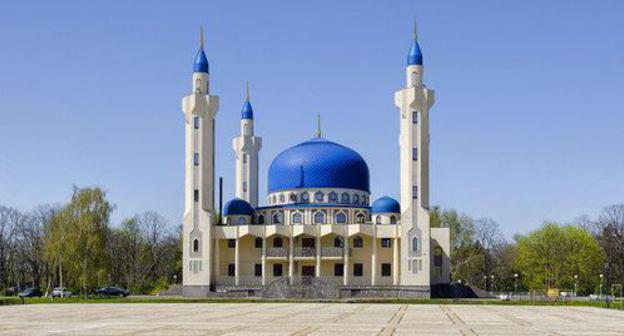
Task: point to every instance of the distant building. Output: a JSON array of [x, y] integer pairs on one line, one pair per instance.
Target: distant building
[[318, 224]]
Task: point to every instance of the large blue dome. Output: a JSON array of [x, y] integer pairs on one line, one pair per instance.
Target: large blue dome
[[318, 163]]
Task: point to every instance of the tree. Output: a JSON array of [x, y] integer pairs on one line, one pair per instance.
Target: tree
[[8, 220], [30, 233], [78, 235], [609, 229], [550, 257]]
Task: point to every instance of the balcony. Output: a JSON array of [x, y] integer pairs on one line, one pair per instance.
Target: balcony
[[305, 252], [277, 252], [332, 252]]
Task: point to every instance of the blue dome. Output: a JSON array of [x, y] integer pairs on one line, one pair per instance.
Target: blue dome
[[237, 206], [415, 57], [201, 62], [318, 163], [386, 205], [247, 112]]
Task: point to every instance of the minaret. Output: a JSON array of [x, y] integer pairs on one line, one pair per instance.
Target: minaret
[[414, 101], [246, 147], [200, 109]]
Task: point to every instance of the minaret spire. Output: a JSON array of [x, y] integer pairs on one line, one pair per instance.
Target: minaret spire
[[415, 31], [318, 126], [201, 36], [247, 90]]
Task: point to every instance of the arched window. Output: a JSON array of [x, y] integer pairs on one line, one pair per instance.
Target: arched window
[[242, 221], [292, 198], [415, 244], [392, 219], [260, 219], [305, 197], [345, 198], [414, 78], [278, 242], [358, 242], [228, 221], [339, 242], [378, 219], [195, 245], [437, 256], [341, 218], [297, 218], [282, 198], [319, 196], [319, 217], [277, 218], [356, 199], [333, 197], [274, 199], [360, 218]]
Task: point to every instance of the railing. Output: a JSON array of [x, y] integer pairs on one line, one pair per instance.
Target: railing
[[332, 251], [243, 281], [383, 281], [305, 252], [276, 252], [359, 281]]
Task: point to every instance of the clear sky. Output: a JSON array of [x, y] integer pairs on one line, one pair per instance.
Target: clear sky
[[528, 125]]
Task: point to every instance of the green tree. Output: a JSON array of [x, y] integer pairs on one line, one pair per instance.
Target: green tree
[[77, 238], [551, 256]]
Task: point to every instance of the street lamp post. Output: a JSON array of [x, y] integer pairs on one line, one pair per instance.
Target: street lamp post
[[175, 279], [575, 284], [601, 276], [493, 287], [516, 285]]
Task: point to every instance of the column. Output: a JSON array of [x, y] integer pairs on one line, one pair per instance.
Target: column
[[395, 261], [345, 272], [318, 251], [237, 262], [374, 257], [264, 263], [291, 258], [217, 258]]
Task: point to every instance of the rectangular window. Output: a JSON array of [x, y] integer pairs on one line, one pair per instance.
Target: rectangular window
[[258, 270], [338, 269], [231, 270], [415, 117], [277, 270], [196, 195], [415, 154], [244, 186], [231, 243], [358, 270], [258, 243], [414, 192], [196, 159], [244, 158], [386, 242], [386, 270], [196, 122]]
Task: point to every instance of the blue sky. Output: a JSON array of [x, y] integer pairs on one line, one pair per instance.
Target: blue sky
[[528, 125]]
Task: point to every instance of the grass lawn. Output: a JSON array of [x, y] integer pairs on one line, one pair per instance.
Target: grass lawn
[[177, 299]]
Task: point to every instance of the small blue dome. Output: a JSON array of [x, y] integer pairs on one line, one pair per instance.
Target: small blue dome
[[201, 62], [247, 112], [236, 207], [318, 163], [415, 57], [386, 205]]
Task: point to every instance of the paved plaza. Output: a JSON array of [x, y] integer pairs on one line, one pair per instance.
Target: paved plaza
[[305, 319]]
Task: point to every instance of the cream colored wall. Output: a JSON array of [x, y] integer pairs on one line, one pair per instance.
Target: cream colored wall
[[248, 255]]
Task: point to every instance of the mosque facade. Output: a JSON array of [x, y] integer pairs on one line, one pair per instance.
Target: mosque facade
[[319, 226]]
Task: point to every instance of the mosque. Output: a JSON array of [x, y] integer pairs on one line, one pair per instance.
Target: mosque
[[318, 227]]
